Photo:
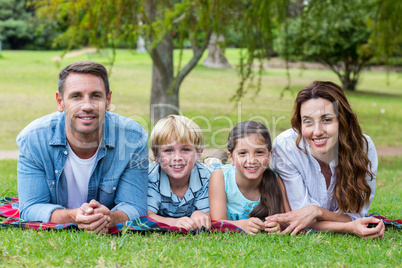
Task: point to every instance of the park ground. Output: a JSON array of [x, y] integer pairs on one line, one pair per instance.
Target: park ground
[[273, 63], [27, 91]]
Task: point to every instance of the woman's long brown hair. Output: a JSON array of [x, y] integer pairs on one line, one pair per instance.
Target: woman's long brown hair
[[351, 190], [271, 195]]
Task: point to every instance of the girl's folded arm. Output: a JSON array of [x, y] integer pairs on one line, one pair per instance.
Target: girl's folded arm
[[217, 204], [217, 196]]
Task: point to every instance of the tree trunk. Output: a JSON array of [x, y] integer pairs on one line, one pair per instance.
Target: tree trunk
[[216, 54], [164, 99], [348, 83], [349, 78], [165, 85], [348, 73]]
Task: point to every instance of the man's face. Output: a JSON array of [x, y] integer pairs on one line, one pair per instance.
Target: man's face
[[85, 103]]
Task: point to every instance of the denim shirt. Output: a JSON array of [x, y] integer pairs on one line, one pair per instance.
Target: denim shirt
[[118, 179]]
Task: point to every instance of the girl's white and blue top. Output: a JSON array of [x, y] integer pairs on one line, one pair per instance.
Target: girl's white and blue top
[[238, 207], [301, 174]]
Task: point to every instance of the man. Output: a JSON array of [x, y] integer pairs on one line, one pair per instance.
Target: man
[[83, 164]]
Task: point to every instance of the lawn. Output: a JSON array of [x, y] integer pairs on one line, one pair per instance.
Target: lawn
[[28, 82], [75, 248]]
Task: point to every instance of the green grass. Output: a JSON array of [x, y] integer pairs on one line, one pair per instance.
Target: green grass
[[29, 82], [75, 248], [27, 91], [8, 178], [78, 249]]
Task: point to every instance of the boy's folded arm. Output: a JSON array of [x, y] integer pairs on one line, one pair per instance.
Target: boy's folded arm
[[201, 219], [183, 222]]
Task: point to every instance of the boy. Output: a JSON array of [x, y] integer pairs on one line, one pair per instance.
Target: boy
[[177, 182]]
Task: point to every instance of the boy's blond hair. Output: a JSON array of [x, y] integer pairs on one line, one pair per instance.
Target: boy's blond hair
[[176, 128]]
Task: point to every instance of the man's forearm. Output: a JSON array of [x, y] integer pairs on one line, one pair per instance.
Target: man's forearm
[[116, 217], [86, 218], [64, 216]]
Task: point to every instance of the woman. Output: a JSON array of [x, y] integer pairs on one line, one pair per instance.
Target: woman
[[327, 165]]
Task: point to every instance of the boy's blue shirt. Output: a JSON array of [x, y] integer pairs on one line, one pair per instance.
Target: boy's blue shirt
[[165, 203]]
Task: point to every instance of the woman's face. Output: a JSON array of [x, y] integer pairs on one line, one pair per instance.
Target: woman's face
[[320, 127]]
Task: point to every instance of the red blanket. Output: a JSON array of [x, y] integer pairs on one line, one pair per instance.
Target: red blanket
[[9, 217]]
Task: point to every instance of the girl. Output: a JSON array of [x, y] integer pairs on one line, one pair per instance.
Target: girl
[[327, 164], [247, 191]]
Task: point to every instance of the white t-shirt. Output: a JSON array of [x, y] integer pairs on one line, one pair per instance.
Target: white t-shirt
[[77, 172]]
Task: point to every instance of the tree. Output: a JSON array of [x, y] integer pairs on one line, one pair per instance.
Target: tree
[[159, 22], [387, 29], [20, 28], [15, 29], [334, 33]]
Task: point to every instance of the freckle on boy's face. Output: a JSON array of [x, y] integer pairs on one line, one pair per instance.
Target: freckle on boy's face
[[177, 160]]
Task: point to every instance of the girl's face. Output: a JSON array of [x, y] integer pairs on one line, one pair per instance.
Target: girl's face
[[250, 157], [320, 127]]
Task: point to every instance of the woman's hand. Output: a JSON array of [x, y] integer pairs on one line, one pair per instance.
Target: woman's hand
[[297, 219], [360, 227]]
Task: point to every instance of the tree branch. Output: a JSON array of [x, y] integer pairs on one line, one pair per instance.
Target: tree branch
[[198, 52], [360, 66], [325, 61]]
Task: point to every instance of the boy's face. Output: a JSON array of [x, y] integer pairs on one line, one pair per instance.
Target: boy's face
[[177, 160]]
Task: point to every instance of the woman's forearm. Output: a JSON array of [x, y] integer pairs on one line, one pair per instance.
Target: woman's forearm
[[326, 215], [332, 226], [360, 227]]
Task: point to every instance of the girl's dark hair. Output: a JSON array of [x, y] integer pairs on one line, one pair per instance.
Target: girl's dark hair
[[351, 190], [271, 195]]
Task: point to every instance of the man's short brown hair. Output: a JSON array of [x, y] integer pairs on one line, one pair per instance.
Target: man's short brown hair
[[84, 67]]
